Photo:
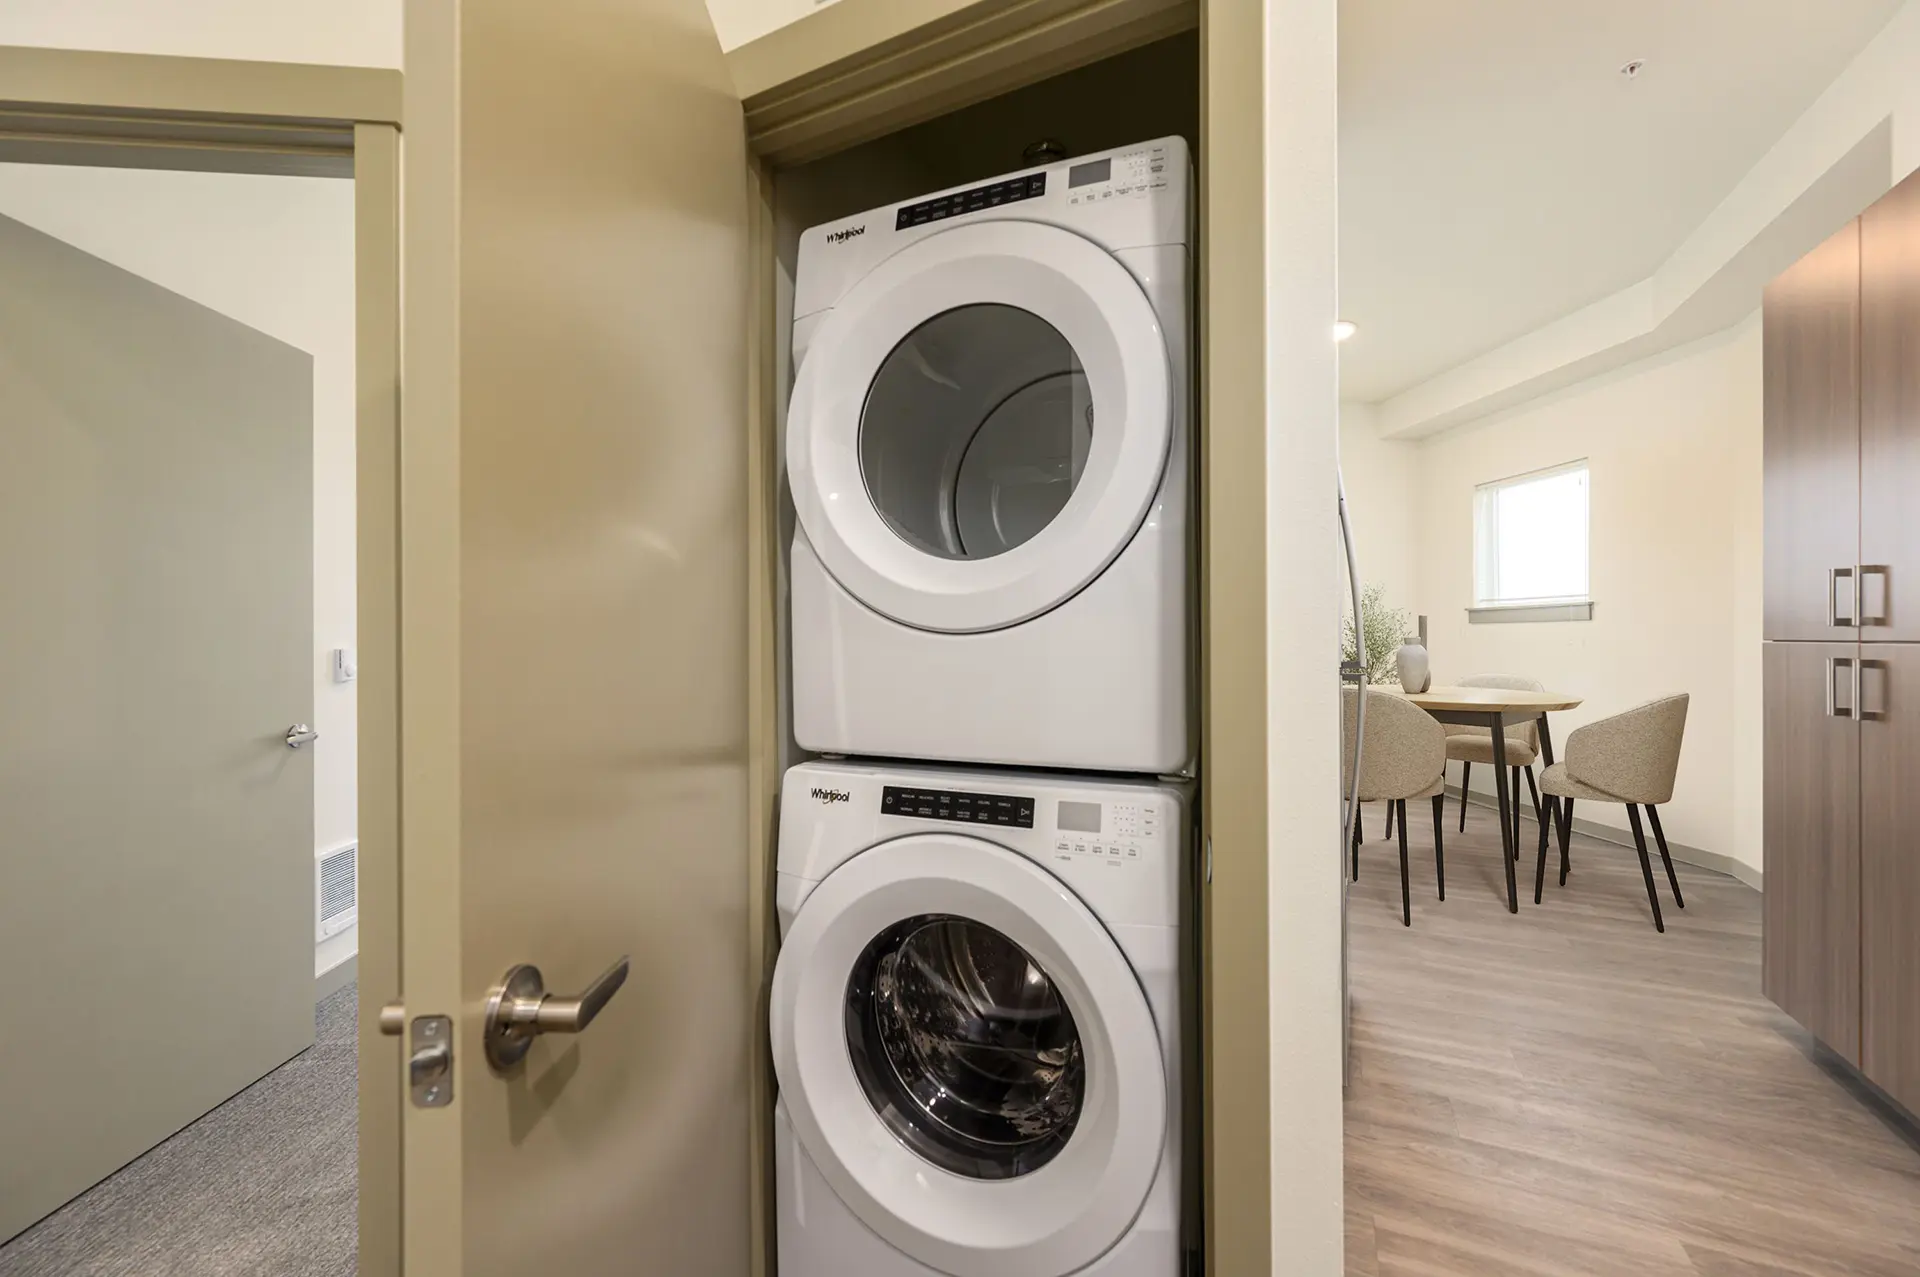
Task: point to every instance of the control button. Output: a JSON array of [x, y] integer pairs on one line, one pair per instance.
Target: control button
[[1133, 850], [1063, 845], [1080, 849]]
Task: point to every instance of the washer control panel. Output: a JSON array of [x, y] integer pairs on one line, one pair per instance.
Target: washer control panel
[[962, 808], [1114, 832], [1127, 175]]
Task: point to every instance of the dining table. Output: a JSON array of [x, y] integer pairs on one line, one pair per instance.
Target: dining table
[[1498, 708]]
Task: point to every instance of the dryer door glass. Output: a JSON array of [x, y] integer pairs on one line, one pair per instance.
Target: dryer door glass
[[964, 1047], [975, 431]]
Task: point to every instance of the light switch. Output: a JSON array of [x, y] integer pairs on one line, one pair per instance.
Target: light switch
[[345, 668]]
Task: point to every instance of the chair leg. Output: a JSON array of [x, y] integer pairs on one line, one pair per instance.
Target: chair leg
[[1439, 847], [1513, 787], [1466, 775], [1540, 869], [1646, 867], [1659, 836], [1389, 832], [1539, 808], [1356, 842], [1566, 836], [1406, 885]]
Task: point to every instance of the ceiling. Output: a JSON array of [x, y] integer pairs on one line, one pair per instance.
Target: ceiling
[[1497, 171]]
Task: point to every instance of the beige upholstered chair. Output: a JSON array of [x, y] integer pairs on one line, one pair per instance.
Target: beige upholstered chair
[[1468, 745], [1405, 756], [1630, 758]]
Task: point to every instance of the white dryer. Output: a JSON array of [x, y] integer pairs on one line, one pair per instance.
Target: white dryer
[[976, 1025], [988, 447]]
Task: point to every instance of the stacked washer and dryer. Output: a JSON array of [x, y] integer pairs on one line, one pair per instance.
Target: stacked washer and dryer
[[978, 1010]]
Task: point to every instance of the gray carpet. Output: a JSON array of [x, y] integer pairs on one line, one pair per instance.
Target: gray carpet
[[263, 1186]]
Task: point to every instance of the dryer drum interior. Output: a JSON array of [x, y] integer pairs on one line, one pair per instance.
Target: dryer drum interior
[[976, 430]]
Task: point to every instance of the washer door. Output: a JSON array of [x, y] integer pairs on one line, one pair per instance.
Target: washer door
[[980, 426], [968, 1058]]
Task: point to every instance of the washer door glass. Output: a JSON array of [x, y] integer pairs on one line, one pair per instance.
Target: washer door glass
[[964, 1047], [976, 431]]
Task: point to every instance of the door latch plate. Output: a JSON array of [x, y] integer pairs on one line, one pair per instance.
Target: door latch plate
[[430, 1064]]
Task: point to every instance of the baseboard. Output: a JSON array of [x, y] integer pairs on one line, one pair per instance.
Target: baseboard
[[1738, 870], [336, 977]]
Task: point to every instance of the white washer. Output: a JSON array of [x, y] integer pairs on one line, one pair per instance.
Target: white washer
[[988, 447], [976, 1025]]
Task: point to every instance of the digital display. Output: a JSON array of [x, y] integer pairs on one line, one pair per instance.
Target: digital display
[[968, 809], [1080, 818], [941, 207], [1089, 173]]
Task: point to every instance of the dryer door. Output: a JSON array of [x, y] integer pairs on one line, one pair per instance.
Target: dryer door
[[980, 425], [968, 1058]]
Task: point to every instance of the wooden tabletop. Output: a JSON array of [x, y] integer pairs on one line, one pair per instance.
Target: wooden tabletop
[[1489, 700]]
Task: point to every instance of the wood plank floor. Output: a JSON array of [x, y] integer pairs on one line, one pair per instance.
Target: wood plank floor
[[1567, 1092]]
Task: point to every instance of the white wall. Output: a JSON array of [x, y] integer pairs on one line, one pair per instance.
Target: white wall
[[1674, 449], [1305, 867], [1381, 496], [275, 253], [344, 32]]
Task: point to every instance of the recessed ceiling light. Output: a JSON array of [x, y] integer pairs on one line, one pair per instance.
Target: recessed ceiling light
[[1631, 70], [1344, 328]]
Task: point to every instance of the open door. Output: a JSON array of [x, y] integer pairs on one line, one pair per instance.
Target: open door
[[573, 643], [156, 795]]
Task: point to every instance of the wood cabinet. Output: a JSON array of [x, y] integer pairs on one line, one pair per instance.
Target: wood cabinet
[[1812, 906], [1811, 335], [1842, 660], [1889, 869], [1890, 417]]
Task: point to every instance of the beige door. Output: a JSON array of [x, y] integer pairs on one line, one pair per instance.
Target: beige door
[[156, 601], [573, 632]]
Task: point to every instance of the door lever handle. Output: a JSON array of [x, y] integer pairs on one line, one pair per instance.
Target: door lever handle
[[519, 1009]]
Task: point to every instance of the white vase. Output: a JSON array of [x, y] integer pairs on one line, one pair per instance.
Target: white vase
[[1411, 663]]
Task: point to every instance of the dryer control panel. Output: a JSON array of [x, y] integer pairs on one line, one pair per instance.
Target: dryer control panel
[[1125, 175]]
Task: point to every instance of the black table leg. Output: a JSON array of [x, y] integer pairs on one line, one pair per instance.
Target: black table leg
[[1508, 843]]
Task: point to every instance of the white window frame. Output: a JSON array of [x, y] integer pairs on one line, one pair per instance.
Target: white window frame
[[1486, 561]]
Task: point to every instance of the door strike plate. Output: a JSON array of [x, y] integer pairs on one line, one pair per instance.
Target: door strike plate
[[430, 1064]]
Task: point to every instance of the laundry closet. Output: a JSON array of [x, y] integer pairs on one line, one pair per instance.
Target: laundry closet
[[986, 601]]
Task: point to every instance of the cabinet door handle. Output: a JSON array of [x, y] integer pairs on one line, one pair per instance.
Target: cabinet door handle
[[1885, 573], [1860, 710], [1834, 619], [1834, 708]]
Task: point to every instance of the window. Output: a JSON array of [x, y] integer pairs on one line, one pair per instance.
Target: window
[[1530, 540]]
